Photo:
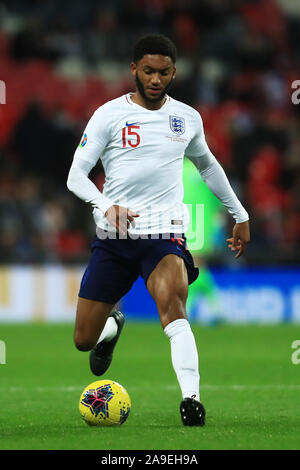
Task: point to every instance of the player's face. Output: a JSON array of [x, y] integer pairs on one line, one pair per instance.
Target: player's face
[[153, 75]]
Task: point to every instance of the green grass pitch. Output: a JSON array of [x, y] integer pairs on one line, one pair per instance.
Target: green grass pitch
[[249, 386]]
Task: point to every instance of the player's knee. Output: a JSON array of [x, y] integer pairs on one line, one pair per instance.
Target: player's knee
[[83, 343], [171, 308], [172, 299]]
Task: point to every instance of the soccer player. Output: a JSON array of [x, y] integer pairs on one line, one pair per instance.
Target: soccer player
[[141, 139]]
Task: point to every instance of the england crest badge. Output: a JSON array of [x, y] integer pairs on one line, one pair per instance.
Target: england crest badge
[[177, 125]]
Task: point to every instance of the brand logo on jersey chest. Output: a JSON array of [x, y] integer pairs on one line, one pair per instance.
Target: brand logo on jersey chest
[[177, 125]]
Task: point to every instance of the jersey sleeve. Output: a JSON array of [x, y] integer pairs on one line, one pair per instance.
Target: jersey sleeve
[[197, 146], [213, 174], [79, 183], [95, 138], [87, 154]]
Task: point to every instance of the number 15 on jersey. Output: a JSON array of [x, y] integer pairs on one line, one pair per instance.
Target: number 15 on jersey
[[130, 136]]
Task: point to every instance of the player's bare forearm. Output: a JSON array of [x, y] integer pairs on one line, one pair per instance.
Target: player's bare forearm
[[240, 238], [120, 217]]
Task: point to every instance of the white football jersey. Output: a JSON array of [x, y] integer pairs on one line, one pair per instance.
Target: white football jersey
[[142, 153]]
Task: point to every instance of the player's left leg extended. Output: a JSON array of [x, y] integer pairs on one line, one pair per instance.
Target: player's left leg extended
[[168, 285]]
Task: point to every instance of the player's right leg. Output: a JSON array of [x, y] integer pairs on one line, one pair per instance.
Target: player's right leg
[[97, 329], [91, 317], [98, 324]]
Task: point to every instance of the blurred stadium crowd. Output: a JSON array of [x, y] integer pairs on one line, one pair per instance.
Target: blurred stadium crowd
[[61, 60]]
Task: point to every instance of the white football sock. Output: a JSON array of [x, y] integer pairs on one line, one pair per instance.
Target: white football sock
[[109, 331], [184, 356]]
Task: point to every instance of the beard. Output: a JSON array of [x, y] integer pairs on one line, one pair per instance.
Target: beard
[[155, 99]]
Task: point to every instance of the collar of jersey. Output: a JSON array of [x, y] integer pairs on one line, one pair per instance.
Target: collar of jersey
[[128, 98]]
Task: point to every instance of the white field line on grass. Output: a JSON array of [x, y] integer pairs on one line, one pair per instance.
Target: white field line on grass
[[216, 388]]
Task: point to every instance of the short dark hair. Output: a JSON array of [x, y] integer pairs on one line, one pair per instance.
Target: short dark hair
[[154, 44]]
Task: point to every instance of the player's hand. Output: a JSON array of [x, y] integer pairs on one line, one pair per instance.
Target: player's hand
[[240, 238], [121, 218]]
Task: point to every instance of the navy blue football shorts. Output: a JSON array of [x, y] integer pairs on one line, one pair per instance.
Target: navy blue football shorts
[[115, 264]]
